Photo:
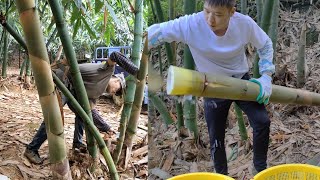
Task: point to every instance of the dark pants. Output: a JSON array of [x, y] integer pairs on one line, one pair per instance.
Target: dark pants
[[41, 134], [216, 112]]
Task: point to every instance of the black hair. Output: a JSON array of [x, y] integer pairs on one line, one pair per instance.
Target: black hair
[[227, 3]]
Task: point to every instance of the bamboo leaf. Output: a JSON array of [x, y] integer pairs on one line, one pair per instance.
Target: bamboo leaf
[[113, 15], [50, 25], [86, 25], [107, 36], [76, 28], [75, 13], [98, 5], [105, 19]]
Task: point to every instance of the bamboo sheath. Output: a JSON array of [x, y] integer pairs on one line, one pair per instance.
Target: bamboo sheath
[[189, 82]]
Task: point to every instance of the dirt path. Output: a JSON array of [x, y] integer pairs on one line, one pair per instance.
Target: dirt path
[[21, 116]]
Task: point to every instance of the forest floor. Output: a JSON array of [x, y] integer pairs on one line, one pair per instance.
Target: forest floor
[[294, 136], [21, 115]]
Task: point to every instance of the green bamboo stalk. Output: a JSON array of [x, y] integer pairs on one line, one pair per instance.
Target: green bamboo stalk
[[265, 24], [5, 56], [137, 103], [131, 88], [161, 107], [23, 65], [259, 4], [1, 48], [273, 30], [74, 71], [14, 34], [241, 124], [190, 116], [244, 5], [266, 15], [172, 5], [152, 10], [104, 150], [179, 109], [189, 106], [151, 108], [161, 69], [49, 103], [301, 65], [160, 17], [183, 81], [54, 33]]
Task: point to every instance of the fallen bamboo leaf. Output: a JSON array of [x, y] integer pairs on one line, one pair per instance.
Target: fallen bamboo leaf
[[167, 163]]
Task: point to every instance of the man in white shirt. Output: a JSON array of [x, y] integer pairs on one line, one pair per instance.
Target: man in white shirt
[[217, 37]]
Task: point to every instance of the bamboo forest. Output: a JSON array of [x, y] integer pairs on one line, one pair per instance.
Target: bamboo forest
[[160, 89]]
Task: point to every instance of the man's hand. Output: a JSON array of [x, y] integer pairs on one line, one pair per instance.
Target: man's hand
[[265, 88]]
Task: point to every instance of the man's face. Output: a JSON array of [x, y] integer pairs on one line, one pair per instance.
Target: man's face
[[113, 85], [218, 18]]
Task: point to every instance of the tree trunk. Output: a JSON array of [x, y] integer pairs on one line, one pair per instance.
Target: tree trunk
[[49, 103]]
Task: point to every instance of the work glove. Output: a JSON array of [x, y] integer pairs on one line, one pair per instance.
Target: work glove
[[124, 62], [265, 88]]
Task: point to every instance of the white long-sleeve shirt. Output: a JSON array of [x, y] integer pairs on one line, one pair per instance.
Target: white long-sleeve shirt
[[214, 54]]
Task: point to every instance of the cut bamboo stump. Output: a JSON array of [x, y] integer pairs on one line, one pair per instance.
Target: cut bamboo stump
[[189, 82]]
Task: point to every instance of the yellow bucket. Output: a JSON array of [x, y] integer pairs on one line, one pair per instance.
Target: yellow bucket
[[201, 176], [290, 172]]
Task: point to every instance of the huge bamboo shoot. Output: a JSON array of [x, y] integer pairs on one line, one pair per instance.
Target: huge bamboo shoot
[[188, 82]]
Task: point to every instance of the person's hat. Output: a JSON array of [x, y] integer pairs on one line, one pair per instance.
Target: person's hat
[[122, 81]]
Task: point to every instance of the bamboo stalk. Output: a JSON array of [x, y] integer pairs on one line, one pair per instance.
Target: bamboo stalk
[[49, 103], [179, 109], [5, 56], [93, 129], [54, 33], [244, 5], [161, 107], [259, 4], [189, 105], [187, 82], [14, 34], [131, 84], [74, 71], [273, 30], [160, 17], [242, 126], [137, 103], [264, 24], [172, 5], [301, 65], [22, 67]]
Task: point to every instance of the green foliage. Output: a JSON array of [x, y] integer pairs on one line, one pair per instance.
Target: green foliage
[[86, 23]]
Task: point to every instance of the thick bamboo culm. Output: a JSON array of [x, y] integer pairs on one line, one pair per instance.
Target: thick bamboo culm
[[188, 82]]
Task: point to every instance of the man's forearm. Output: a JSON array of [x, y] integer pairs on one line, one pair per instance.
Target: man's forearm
[[266, 57]]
